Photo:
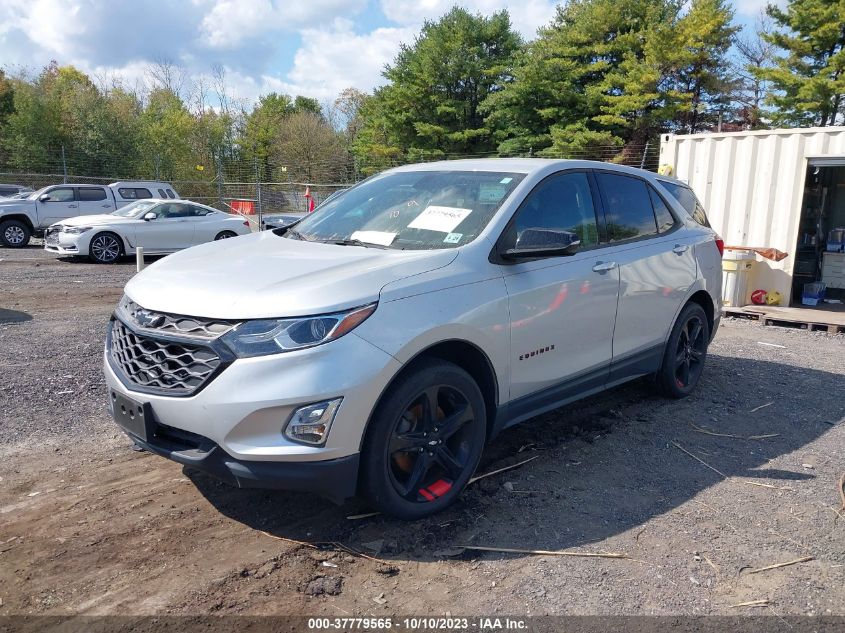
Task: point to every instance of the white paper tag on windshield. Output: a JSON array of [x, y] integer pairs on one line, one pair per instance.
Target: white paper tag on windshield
[[381, 238], [442, 219]]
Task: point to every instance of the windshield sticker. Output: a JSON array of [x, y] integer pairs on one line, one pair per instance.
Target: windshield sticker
[[491, 193], [505, 181], [453, 238], [441, 219], [382, 238]]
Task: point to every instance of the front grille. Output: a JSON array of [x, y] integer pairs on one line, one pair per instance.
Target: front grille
[[160, 365], [175, 324]]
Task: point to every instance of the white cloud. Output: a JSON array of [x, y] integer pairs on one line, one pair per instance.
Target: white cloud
[[526, 15], [230, 22]]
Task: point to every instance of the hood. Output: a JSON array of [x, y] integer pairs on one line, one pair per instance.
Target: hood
[[264, 275], [16, 204], [93, 220]]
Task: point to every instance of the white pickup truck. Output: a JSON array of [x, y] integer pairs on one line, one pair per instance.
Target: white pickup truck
[[20, 219]]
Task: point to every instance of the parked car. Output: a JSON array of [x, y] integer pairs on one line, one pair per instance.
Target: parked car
[[377, 345], [160, 226], [8, 191], [20, 219], [281, 220]]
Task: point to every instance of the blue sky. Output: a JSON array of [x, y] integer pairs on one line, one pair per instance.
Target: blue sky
[[310, 47]]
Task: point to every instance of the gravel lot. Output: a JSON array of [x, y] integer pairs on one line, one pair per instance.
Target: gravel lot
[[89, 526]]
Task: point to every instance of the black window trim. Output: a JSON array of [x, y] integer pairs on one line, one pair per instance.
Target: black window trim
[[641, 238], [495, 256]]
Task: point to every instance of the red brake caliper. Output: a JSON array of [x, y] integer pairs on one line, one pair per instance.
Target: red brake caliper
[[436, 490]]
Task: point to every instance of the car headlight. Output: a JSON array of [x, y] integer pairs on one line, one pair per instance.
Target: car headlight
[[272, 336], [76, 230]]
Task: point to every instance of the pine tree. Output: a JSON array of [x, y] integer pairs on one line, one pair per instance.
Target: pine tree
[[808, 78]]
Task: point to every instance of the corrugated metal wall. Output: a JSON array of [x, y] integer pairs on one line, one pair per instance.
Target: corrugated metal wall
[[752, 185]]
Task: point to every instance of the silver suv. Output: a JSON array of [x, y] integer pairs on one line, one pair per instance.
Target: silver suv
[[376, 345]]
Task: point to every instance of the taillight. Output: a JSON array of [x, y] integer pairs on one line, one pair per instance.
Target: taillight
[[246, 223], [720, 244]]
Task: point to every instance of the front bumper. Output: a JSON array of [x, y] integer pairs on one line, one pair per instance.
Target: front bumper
[[239, 415], [66, 243], [334, 479]]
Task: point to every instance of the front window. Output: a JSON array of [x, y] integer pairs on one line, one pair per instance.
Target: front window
[[134, 209], [416, 210]]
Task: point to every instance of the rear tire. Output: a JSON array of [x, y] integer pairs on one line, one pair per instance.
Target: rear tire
[[105, 248], [225, 235], [424, 441], [685, 353], [14, 234]]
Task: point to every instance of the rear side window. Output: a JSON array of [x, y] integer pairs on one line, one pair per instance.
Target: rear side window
[[134, 193], [688, 200], [665, 220], [627, 210], [562, 203], [91, 194]]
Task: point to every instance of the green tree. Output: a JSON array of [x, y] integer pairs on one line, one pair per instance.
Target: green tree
[[808, 77], [608, 73], [166, 128], [431, 104]]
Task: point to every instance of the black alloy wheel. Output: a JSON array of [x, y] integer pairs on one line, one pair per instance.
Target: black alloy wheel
[[424, 441], [685, 353]]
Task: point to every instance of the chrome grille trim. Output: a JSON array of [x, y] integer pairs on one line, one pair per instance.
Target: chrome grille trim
[[174, 324], [164, 364]]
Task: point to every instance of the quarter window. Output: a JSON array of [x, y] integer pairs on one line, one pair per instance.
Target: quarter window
[[61, 194], [665, 220], [562, 203], [688, 200], [91, 194], [628, 211], [134, 193], [170, 194], [161, 193]]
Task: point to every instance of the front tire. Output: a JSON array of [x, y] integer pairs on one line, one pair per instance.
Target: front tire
[[14, 234], [685, 353], [105, 248], [424, 441]]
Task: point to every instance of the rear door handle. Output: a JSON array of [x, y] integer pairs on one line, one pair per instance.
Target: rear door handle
[[602, 267], [680, 249], [71, 206]]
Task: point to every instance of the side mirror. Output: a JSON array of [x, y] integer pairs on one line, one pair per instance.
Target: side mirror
[[536, 242], [44, 197], [149, 216]]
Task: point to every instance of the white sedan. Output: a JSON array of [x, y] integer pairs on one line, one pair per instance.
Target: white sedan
[[159, 226]]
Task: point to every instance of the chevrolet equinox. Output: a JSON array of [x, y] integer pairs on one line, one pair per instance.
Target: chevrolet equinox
[[374, 346]]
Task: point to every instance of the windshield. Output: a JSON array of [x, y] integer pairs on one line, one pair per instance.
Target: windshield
[[134, 209], [411, 210], [35, 194]]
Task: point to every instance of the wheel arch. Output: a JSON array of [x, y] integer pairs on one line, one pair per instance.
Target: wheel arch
[[465, 355], [123, 241], [20, 217], [703, 298]]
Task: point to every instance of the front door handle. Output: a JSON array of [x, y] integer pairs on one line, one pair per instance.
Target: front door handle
[[106, 206], [71, 206], [680, 249], [602, 267]]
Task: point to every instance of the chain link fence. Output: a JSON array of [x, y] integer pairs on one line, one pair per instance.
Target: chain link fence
[[262, 186]]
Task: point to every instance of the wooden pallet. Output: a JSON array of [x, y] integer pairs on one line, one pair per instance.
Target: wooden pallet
[[799, 318], [813, 326]]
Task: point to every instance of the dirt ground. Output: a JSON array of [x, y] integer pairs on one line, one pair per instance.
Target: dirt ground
[[89, 527]]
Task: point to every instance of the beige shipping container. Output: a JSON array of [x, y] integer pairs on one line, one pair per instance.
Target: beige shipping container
[[752, 186]]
